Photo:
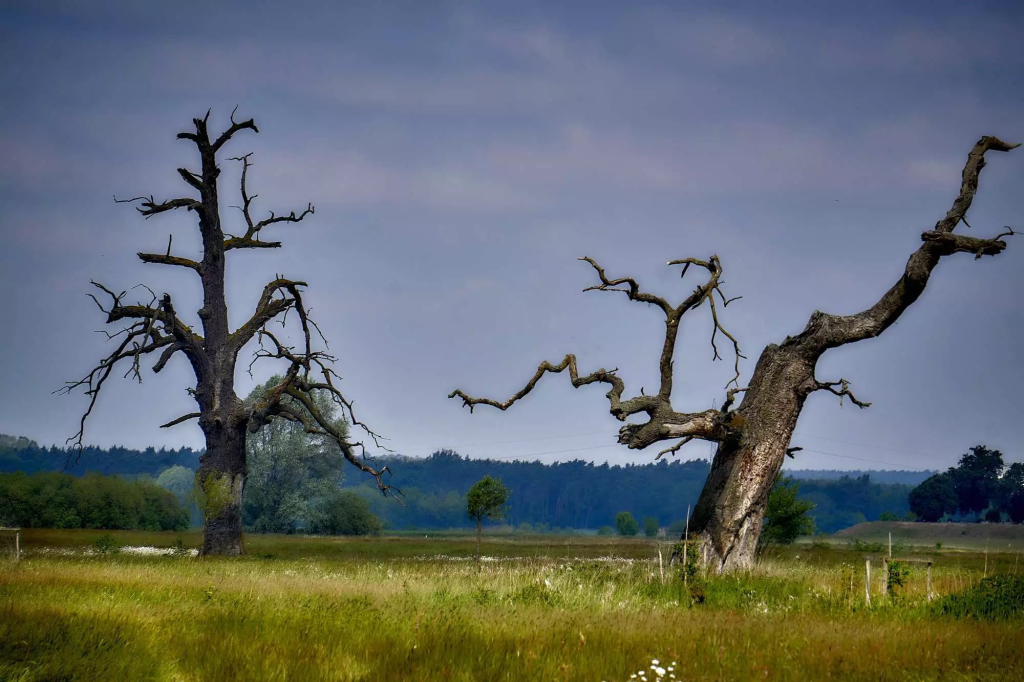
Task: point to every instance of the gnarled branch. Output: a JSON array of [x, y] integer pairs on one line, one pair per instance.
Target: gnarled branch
[[267, 308], [706, 292], [235, 127], [633, 290], [322, 426], [150, 207], [298, 382], [825, 331], [664, 422], [179, 420], [619, 409], [840, 388], [675, 448], [141, 337], [251, 238], [948, 243], [168, 259], [139, 340]]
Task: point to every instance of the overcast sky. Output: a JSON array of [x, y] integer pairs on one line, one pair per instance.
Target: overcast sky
[[461, 156]]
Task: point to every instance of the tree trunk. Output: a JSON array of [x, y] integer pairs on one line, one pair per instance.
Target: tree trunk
[[479, 525], [221, 479], [731, 507]]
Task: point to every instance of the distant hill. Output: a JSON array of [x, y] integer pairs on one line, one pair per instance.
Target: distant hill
[[998, 537]]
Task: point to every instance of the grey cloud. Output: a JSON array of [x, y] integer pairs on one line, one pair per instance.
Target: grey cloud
[[459, 164]]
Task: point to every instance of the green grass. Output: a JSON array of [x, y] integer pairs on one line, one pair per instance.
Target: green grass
[[413, 608]]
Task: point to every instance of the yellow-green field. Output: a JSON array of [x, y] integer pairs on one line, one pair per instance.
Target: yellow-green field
[[415, 608]]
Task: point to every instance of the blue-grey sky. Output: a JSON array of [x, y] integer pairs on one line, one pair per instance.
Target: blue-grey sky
[[462, 155]]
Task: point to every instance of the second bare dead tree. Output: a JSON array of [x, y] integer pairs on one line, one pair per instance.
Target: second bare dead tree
[[154, 327], [754, 438]]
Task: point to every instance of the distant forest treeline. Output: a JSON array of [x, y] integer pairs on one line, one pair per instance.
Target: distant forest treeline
[[22, 454], [574, 494], [581, 494], [910, 478]]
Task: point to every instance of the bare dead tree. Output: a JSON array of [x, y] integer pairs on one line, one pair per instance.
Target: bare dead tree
[[225, 420], [753, 439]]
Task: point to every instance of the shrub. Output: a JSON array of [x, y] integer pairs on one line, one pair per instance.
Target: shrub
[[899, 575], [605, 530], [651, 526], [345, 513], [106, 544], [997, 598], [786, 518]]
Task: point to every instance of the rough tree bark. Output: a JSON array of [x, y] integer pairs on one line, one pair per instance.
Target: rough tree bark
[[224, 418], [753, 440]]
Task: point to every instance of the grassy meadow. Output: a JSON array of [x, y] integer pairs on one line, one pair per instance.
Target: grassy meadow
[[545, 607]]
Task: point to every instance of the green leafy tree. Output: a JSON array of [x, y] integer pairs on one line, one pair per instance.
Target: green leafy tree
[[290, 471], [651, 527], [486, 499], [1015, 507], [1009, 495], [345, 513], [935, 497], [626, 524], [786, 517], [180, 481], [976, 479]]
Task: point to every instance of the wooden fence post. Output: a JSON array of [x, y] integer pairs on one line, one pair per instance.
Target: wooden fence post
[[867, 581], [686, 543], [885, 576], [928, 582]]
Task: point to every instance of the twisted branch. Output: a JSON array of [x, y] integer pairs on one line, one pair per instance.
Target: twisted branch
[[299, 384], [842, 391], [150, 208], [664, 422], [825, 331], [675, 448], [251, 238]]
